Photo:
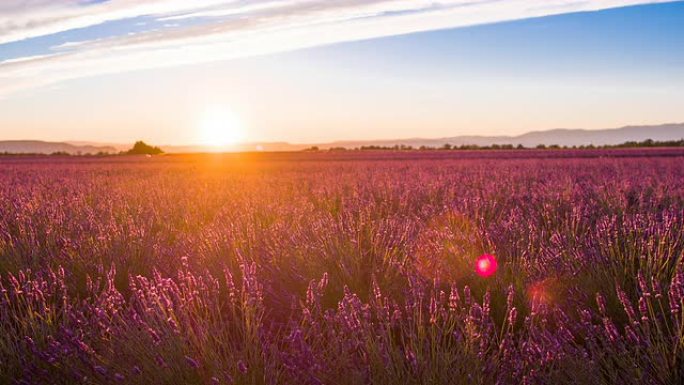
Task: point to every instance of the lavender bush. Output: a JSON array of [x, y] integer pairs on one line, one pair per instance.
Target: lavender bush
[[343, 268]]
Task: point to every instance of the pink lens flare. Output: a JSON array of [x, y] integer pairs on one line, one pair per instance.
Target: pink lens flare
[[486, 265]]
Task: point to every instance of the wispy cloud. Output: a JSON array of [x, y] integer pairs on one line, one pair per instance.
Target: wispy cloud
[[24, 19], [200, 31]]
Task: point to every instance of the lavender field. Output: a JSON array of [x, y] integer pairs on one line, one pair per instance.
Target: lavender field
[[344, 268]]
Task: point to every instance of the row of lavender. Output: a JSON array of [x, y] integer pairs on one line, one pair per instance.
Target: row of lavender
[[320, 270]]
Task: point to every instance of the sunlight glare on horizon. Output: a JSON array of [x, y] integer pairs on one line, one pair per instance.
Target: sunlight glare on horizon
[[220, 127]]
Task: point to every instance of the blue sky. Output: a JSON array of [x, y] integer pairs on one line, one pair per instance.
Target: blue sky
[[118, 73]]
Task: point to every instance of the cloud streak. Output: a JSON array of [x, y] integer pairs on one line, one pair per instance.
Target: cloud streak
[[203, 31]]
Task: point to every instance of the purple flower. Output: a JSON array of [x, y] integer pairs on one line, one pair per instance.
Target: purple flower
[[242, 367], [101, 370], [192, 362], [601, 302]]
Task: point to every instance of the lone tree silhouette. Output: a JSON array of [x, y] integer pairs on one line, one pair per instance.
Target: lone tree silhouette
[[142, 148]]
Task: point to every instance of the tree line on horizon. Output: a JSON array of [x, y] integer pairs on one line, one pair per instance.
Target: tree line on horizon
[[142, 148], [447, 146]]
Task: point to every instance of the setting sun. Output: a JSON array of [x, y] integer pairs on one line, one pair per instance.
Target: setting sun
[[220, 127]]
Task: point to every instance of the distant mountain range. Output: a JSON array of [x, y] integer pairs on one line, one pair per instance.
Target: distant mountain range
[[41, 147], [563, 137]]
